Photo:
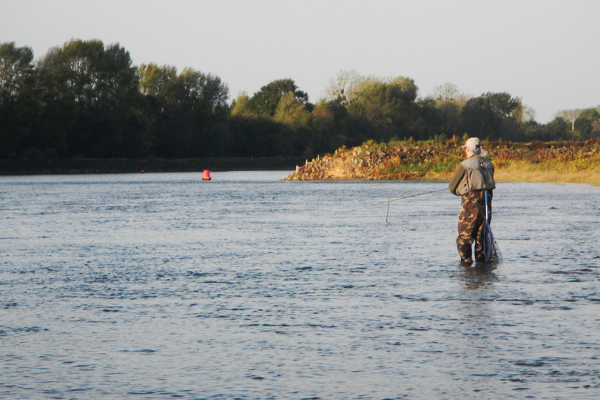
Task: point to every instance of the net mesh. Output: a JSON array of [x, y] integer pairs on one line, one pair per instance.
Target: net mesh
[[490, 247]]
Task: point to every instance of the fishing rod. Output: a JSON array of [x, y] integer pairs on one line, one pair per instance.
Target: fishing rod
[[390, 201]]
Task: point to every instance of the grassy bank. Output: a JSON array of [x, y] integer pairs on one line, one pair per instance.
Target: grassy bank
[[565, 162]]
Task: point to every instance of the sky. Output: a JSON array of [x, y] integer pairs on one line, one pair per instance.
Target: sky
[[545, 52]]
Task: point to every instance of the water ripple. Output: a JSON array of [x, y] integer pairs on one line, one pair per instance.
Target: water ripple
[[164, 286]]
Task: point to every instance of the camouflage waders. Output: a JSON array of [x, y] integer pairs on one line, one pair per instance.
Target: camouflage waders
[[470, 224]]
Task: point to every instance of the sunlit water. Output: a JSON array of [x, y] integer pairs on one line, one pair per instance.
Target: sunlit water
[[162, 286]]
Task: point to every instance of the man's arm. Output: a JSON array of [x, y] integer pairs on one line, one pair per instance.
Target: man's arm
[[453, 185]]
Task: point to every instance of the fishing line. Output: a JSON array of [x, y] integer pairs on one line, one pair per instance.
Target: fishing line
[[389, 202], [495, 169], [387, 215], [512, 176]]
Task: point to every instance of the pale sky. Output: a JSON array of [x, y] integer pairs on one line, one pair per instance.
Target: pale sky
[[544, 51]]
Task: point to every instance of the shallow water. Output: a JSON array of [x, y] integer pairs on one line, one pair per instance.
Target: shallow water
[[163, 286]]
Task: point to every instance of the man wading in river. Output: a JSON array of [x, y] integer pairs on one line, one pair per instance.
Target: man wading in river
[[473, 177]]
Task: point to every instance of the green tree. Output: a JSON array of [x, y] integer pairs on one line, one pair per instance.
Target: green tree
[[254, 137], [491, 115], [94, 90], [291, 111], [558, 129], [449, 116], [327, 130], [240, 106], [448, 102], [388, 107], [192, 110], [264, 102], [502, 104], [16, 79], [195, 89], [153, 78], [90, 74], [586, 122], [479, 119], [16, 69]]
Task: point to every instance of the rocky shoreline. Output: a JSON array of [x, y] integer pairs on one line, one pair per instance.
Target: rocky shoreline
[[366, 163], [437, 160]]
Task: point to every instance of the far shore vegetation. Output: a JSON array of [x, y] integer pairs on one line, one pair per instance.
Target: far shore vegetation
[[85, 107]]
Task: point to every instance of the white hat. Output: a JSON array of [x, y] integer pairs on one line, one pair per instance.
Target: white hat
[[474, 144]]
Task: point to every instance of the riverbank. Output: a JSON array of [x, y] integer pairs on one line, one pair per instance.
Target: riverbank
[[561, 162], [109, 166]]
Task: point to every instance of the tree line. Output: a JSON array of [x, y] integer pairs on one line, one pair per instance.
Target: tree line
[[88, 100]]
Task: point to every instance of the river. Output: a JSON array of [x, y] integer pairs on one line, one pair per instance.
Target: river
[[162, 286]]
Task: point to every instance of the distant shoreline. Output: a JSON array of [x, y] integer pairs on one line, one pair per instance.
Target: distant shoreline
[[115, 166], [435, 160]]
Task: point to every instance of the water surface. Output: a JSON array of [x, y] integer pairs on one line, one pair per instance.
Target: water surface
[[160, 286]]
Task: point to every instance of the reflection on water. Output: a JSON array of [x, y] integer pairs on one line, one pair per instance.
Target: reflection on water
[[162, 286], [479, 275]]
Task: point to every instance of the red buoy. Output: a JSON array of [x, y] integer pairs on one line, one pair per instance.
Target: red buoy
[[206, 176]]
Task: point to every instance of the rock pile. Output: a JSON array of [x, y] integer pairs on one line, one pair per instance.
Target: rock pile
[[368, 162]]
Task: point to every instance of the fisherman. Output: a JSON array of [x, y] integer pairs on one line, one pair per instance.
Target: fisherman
[[472, 179]]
